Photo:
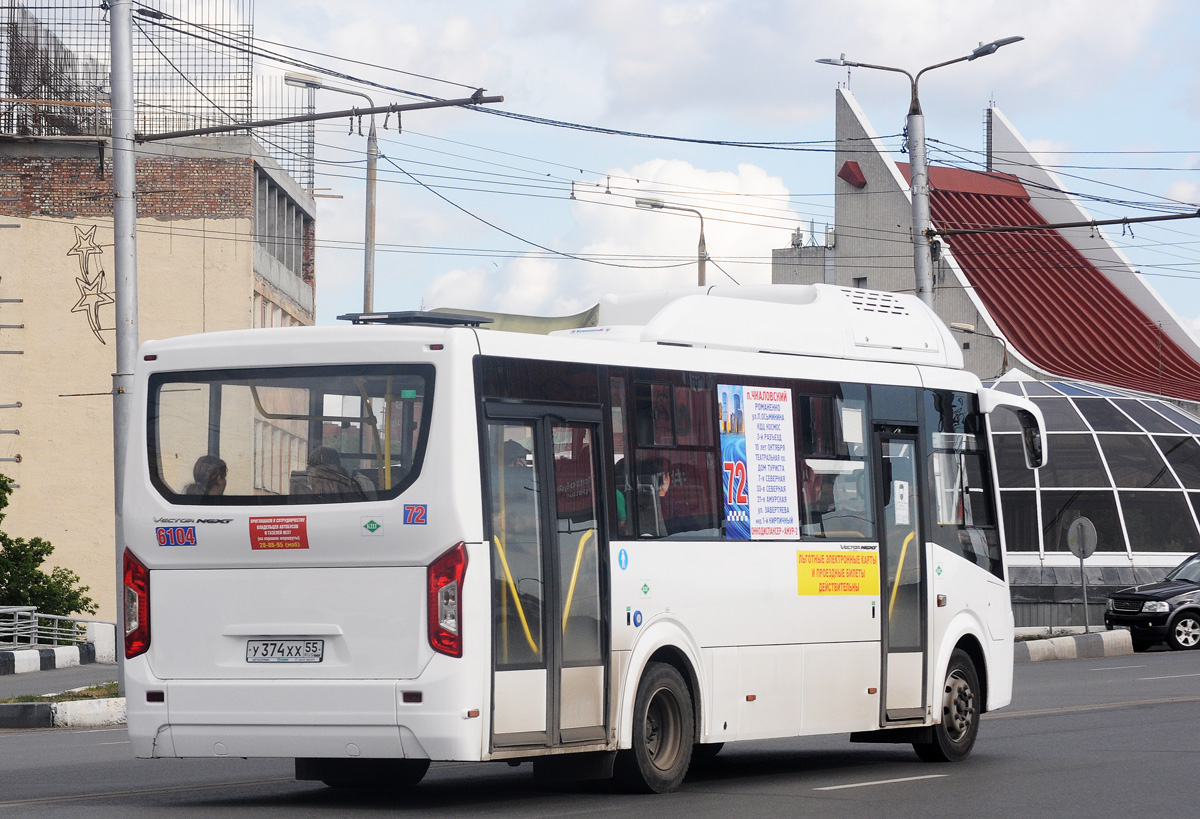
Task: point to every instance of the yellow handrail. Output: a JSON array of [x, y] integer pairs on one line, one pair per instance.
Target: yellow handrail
[[516, 598], [899, 569], [575, 576]]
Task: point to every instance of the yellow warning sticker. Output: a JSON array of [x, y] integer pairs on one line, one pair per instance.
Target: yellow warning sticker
[[850, 572]]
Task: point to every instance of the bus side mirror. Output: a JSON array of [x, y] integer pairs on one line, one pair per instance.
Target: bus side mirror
[[1033, 426]]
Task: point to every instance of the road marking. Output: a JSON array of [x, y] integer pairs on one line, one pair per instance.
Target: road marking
[[1115, 667], [1172, 677], [1077, 709], [126, 742], [880, 782], [84, 797]]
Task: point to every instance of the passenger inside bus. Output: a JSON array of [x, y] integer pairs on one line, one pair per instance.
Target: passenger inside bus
[[209, 474], [327, 478]]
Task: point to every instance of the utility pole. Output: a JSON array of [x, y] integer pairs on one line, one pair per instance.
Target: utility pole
[[125, 279], [918, 171]]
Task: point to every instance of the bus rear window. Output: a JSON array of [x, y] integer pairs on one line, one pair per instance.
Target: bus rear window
[[288, 435]]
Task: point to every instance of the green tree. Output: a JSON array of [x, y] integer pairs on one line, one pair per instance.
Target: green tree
[[23, 582]]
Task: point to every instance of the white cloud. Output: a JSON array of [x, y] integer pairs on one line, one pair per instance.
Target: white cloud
[[1184, 191], [645, 249]]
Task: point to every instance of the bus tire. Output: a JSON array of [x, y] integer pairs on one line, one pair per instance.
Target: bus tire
[[954, 736], [663, 732]]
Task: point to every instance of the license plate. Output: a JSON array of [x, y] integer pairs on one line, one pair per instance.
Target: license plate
[[285, 651]]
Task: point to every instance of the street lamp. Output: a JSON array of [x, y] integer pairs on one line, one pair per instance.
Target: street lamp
[[969, 329], [919, 169], [312, 84], [701, 251]]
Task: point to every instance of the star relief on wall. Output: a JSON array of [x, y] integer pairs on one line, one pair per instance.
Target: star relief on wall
[[91, 286]]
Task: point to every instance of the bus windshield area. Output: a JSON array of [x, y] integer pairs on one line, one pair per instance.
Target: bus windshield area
[[288, 435]]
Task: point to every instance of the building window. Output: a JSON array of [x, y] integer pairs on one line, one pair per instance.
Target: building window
[[279, 224]]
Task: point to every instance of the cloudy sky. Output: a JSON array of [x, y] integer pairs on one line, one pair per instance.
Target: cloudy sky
[[483, 211]]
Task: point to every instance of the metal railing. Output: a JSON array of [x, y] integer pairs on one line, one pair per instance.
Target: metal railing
[[25, 627]]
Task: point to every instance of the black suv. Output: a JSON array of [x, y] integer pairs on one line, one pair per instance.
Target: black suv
[[1168, 610]]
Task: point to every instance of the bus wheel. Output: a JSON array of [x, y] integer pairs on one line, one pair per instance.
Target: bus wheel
[[663, 730], [955, 735]]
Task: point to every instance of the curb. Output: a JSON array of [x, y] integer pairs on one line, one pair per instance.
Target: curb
[[77, 714], [22, 661], [1115, 643]]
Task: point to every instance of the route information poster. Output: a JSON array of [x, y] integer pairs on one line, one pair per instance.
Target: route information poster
[[758, 463]]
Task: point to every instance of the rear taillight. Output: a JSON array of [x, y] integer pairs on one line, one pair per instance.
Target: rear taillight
[[445, 580], [137, 606]]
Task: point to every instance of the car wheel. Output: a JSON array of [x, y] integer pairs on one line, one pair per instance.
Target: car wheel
[[663, 731], [1184, 633], [955, 735]]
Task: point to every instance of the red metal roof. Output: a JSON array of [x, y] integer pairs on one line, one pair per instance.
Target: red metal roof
[[1052, 304]]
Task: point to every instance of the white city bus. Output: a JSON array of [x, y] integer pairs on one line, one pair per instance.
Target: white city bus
[[713, 515]]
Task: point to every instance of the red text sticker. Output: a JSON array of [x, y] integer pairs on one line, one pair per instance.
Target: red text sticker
[[279, 533]]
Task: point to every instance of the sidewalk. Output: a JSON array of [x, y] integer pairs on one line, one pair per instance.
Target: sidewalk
[[40, 672]]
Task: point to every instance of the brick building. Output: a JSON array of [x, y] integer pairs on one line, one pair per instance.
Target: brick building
[[225, 241]]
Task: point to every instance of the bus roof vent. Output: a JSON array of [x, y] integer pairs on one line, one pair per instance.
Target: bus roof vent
[[417, 318], [873, 301]]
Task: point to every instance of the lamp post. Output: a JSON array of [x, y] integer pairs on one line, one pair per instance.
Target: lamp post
[[919, 170], [969, 329], [701, 250], [312, 84]]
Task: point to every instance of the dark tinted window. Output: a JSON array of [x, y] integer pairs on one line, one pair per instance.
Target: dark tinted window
[[959, 476], [1180, 417], [1020, 521], [1184, 455], [1061, 508], [1159, 522], [1060, 415], [1011, 471], [1103, 416], [1135, 463], [894, 404], [1033, 388], [542, 381], [1073, 461], [674, 486], [288, 434], [1147, 417]]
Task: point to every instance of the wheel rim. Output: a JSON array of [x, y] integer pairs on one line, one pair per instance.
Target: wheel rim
[[662, 730], [958, 707], [1187, 632]]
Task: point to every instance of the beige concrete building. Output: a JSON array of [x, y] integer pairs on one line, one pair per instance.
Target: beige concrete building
[[225, 241]]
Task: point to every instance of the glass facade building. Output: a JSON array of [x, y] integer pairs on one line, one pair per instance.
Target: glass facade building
[[1128, 462]]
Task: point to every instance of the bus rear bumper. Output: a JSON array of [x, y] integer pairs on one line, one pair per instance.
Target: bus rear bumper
[[337, 719]]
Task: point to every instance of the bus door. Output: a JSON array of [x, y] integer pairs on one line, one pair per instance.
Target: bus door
[[550, 674], [904, 585]]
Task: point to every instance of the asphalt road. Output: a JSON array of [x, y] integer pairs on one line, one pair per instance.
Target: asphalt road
[[1084, 738]]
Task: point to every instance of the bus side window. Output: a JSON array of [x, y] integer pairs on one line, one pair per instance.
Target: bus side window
[[959, 474], [624, 496], [676, 475], [835, 485]]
